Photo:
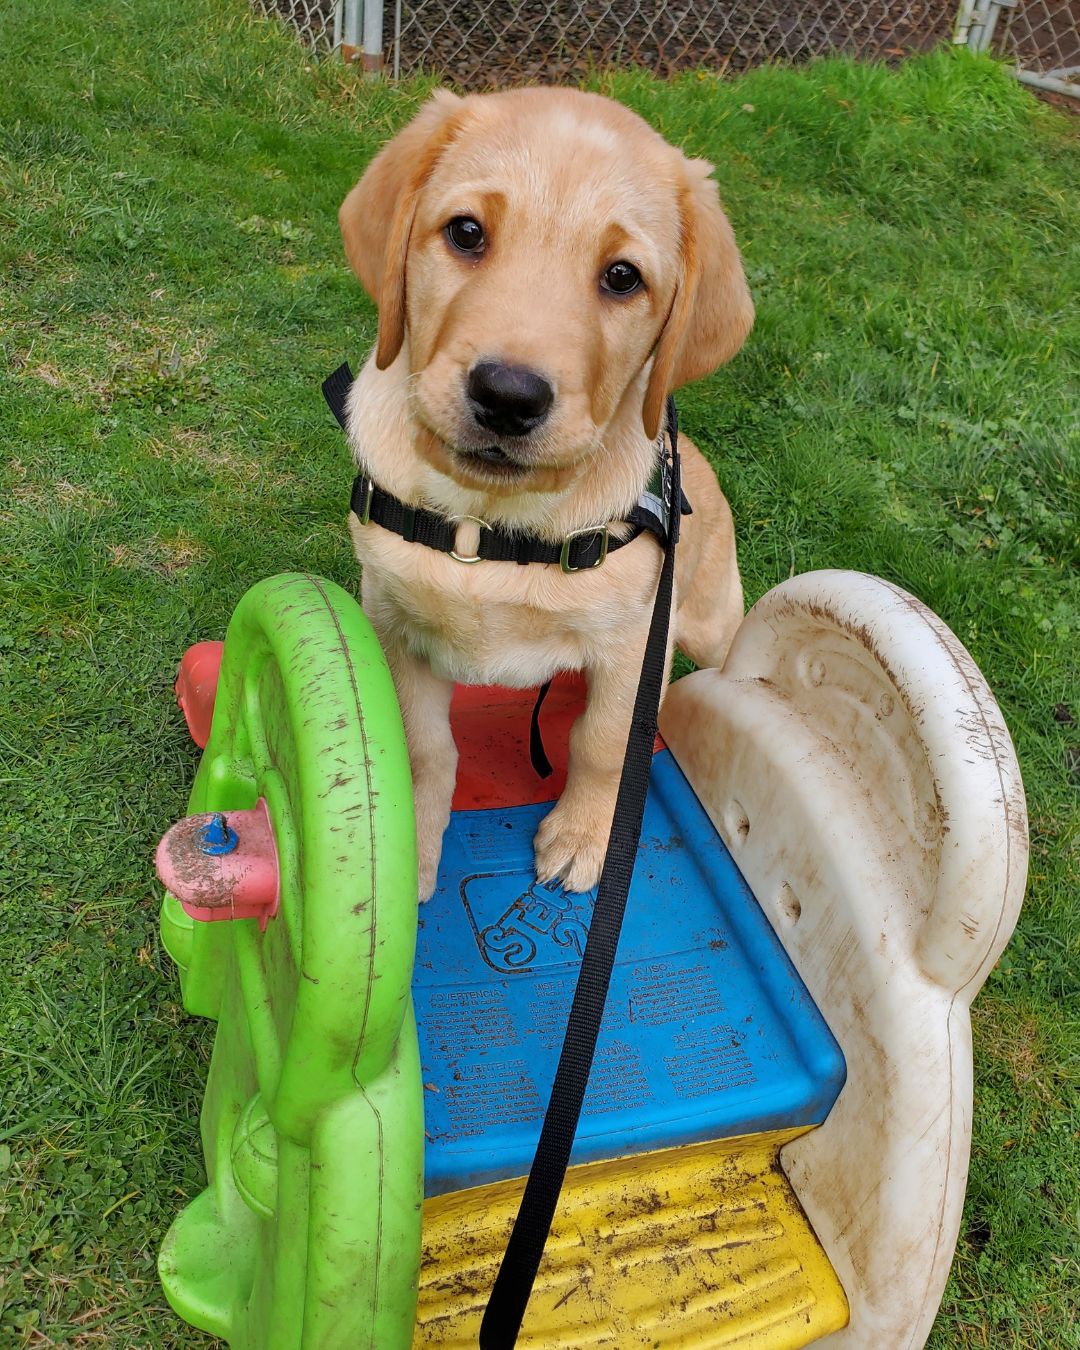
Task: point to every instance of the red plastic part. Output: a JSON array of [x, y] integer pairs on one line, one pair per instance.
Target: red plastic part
[[490, 725], [243, 884], [491, 729], [196, 687]]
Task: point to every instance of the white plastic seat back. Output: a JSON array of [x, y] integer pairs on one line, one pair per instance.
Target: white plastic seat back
[[857, 765]]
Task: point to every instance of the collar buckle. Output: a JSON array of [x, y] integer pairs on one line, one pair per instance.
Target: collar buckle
[[600, 532]]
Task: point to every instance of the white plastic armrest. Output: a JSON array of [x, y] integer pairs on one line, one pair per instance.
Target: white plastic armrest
[[858, 767]]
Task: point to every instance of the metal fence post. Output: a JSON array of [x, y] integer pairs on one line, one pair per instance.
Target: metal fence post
[[350, 41], [372, 56], [976, 22], [362, 41], [1067, 82]]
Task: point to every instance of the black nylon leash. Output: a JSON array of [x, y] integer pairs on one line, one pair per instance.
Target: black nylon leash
[[513, 1285], [540, 762]]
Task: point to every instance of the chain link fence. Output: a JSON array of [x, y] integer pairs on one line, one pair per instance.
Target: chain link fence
[[317, 23], [541, 40], [1042, 37], [479, 44]]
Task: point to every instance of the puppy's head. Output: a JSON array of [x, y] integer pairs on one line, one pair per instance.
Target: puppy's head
[[548, 263]]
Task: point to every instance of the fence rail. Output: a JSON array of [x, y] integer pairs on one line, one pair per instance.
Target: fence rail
[[484, 43]]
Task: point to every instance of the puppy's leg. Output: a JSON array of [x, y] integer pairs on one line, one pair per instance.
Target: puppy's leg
[[710, 591], [711, 609], [572, 839], [425, 711]]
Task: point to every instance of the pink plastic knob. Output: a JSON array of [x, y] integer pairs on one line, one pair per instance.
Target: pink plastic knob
[[222, 865]]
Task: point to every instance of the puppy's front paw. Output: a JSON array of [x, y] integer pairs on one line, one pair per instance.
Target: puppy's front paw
[[570, 845]]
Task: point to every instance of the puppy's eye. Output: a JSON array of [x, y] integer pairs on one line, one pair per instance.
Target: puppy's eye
[[621, 278], [466, 234]]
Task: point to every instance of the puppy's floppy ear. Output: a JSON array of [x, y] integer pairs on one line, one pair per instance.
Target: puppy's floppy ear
[[712, 312], [376, 217]]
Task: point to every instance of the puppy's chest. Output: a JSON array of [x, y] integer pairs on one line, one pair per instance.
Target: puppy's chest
[[500, 623], [480, 639], [497, 623]]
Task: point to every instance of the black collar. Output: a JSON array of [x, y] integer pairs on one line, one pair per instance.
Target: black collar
[[576, 552]]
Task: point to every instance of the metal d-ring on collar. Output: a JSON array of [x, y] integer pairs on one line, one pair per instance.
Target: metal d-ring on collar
[[461, 520], [579, 551]]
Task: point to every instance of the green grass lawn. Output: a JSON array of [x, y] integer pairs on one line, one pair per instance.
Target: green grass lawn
[[172, 290]]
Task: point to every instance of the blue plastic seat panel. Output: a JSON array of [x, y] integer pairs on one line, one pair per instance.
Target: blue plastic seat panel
[[708, 1032]]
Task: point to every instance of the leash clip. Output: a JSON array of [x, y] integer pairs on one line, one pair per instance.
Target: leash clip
[[600, 531], [460, 520]]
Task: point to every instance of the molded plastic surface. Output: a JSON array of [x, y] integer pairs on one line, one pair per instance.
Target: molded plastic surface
[[308, 1234], [491, 730], [858, 767], [196, 688], [708, 1031], [309, 1231], [690, 1249], [236, 878]]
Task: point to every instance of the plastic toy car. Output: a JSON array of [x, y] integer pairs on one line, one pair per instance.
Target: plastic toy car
[[774, 1147]]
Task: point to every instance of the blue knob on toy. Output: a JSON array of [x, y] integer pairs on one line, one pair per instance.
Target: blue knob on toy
[[216, 838]]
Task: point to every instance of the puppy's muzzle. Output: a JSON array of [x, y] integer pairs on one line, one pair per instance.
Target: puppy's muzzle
[[508, 400]]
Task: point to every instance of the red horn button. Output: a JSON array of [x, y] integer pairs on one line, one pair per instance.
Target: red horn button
[[222, 865]]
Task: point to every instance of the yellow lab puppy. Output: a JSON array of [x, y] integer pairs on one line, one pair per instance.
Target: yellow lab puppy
[[547, 269]]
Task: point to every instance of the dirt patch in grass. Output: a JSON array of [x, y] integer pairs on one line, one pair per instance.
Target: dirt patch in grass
[[165, 556]]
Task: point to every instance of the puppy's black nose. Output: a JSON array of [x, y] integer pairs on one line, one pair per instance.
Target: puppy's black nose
[[509, 400]]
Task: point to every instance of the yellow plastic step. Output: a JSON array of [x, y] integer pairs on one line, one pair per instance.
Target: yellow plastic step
[[704, 1246]]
